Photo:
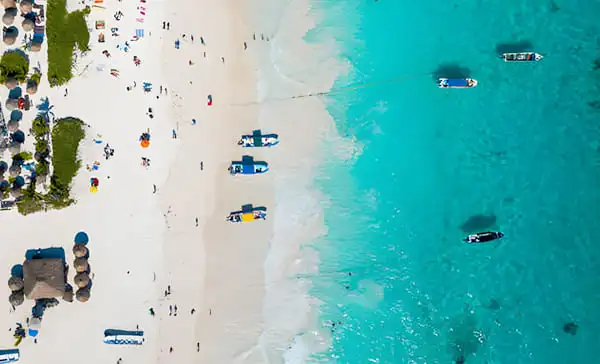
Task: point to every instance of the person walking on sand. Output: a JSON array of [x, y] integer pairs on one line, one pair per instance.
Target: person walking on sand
[[245, 45], [170, 350], [170, 310], [175, 310], [174, 134], [223, 59], [198, 346], [164, 24], [193, 121], [151, 311], [201, 165], [154, 186], [192, 38], [168, 25], [196, 226], [202, 41]]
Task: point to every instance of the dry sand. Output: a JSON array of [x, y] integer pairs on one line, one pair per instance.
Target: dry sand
[[235, 277]]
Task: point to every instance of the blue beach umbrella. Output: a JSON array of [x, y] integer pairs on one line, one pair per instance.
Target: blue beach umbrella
[[16, 115], [81, 238], [4, 185], [3, 167], [18, 136], [19, 182], [15, 93]]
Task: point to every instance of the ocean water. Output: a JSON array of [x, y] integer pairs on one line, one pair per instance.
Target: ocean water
[[519, 153]]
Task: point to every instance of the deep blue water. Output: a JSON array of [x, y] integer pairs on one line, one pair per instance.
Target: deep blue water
[[522, 150]]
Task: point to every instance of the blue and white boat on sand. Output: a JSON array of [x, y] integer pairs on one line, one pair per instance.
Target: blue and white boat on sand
[[258, 140], [123, 337], [248, 213], [457, 82], [248, 166]]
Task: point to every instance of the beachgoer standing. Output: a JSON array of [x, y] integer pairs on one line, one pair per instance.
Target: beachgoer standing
[[202, 41], [245, 45], [174, 134], [154, 186], [168, 25], [196, 226], [201, 165], [164, 24]]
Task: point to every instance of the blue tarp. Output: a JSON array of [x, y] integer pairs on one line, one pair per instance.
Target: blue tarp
[[248, 169], [457, 82], [48, 253], [15, 93]]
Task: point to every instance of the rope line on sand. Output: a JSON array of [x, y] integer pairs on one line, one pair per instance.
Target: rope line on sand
[[338, 90]]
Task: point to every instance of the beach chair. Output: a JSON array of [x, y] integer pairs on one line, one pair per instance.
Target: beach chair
[[139, 33]]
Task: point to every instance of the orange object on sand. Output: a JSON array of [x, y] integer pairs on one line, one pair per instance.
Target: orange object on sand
[[145, 143]]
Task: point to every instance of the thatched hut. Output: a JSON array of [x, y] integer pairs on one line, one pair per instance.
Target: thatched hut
[[26, 6], [35, 47], [79, 250], [44, 278], [15, 283], [16, 298], [27, 25], [81, 279], [7, 4], [68, 295], [81, 265], [12, 126], [83, 294], [8, 18]]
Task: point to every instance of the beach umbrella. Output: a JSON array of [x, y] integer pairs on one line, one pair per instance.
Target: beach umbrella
[[4, 186], [26, 6], [8, 18], [16, 115], [7, 4], [12, 126], [27, 25], [18, 137], [19, 182], [81, 279], [32, 87], [15, 283], [79, 250], [81, 264], [83, 294], [15, 93], [11, 83], [14, 170], [3, 167], [16, 192], [11, 104], [145, 143], [16, 298], [68, 295], [81, 238]]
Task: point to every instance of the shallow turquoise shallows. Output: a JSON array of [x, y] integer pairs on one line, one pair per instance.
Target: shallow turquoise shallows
[[520, 153]]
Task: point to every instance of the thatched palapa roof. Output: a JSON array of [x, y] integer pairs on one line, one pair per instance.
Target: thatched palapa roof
[[44, 278]]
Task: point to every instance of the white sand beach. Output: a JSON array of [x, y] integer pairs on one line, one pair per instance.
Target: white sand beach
[[235, 277]]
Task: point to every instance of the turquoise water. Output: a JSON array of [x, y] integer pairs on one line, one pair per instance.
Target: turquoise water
[[522, 151]]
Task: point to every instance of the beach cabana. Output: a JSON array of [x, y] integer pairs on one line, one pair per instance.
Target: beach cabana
[[83, 294], [15, 283], [81, 280], [8, 18], [44, 278], [16, 298], [81, 264], [26, 6], [79, 250]]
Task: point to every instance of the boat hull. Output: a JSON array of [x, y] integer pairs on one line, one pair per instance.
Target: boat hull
[[522, 57], [457, 82], [484, 237]]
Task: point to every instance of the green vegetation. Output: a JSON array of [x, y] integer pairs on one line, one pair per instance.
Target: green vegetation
[[23, 156], [36, 77], [65, 30], [13, 64], [66, 135]]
